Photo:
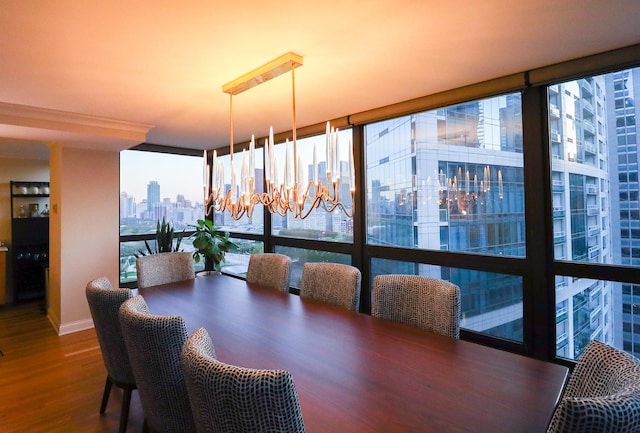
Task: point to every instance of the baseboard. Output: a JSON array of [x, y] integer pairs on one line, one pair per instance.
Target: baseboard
[[55, 321], [79, 325]]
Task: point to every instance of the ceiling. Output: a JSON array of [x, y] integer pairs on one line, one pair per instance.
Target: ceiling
[[100, 74]]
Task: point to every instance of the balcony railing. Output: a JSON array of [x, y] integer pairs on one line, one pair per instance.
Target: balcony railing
[[558, 212], [588, 126], [557, 185], [587, 106], [561, 314]]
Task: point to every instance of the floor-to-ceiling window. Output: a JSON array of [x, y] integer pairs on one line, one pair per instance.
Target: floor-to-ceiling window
[[156, 186], [593, 140], [527, 198], [451, 179], [320, 227]]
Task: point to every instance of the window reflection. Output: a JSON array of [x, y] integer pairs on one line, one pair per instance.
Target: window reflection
[[491, 303], [448, 179]]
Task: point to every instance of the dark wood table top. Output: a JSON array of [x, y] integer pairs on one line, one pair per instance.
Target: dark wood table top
[[356, 373]]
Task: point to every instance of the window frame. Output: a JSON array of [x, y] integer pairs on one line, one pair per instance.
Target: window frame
[[538, 268]]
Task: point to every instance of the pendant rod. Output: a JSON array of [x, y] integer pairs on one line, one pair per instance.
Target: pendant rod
[[295, 142], [231, 125]]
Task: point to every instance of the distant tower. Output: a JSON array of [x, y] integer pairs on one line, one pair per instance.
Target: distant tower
[[153, 194], [180, 200]]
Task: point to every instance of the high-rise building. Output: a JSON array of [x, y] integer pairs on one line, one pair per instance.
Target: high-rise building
[[452, 179], [127, 206], [581, 223], [153, 195], [622, 113]]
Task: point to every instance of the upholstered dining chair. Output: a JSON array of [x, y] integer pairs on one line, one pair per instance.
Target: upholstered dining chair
[[332, 283], [104, 303], [270, 270], [418, 301], [602, 394], [231, 399], [164, 268], [154, 344]]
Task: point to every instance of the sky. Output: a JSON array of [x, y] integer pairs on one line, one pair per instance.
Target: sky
[[178, 174]]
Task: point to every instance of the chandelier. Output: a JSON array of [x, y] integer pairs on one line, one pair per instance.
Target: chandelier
[[463, 193], [291, 193]]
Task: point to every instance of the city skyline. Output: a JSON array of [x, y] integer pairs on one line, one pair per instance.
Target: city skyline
[[176, 175]]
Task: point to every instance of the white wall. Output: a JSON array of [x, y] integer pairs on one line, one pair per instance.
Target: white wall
[[84, 230]]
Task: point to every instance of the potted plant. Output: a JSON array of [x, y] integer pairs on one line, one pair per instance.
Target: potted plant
[[211, 244], [164, 240]]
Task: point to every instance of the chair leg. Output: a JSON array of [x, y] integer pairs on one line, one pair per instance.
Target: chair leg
[[124, 412], [105, 395]]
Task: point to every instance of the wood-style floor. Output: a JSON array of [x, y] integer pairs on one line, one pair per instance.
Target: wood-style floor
[[52, 384]]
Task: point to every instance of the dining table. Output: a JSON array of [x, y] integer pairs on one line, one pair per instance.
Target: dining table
[[358, 373]]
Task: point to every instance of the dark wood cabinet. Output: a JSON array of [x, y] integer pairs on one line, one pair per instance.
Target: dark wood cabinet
[[29, 239]]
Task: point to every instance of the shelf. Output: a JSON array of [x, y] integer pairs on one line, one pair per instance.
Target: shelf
[[29, 239]]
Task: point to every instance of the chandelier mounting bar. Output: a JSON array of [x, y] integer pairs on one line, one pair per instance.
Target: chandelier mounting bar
[[266, 72]]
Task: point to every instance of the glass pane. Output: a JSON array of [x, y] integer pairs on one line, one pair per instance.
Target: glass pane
[[246, 224], [237, 262], [594, 169], [129, 250], [448, 179], [155, 185], [585, 311], [300, 256], [596, 202], [491, 303], [320, 224]]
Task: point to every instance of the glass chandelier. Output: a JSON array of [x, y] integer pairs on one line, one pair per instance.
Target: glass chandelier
[[291, 193], [463, 193]]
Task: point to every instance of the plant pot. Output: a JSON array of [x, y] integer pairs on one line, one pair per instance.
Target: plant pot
[[207, 273]]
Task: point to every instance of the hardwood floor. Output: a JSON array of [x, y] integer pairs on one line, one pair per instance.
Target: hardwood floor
[[52, 384]]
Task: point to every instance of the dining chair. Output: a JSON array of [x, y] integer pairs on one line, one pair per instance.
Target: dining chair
[[602, 394], [154, 344], [422, 302], [270, 270], [164, 268], [231, 399], [104, 304], [332, 283]]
